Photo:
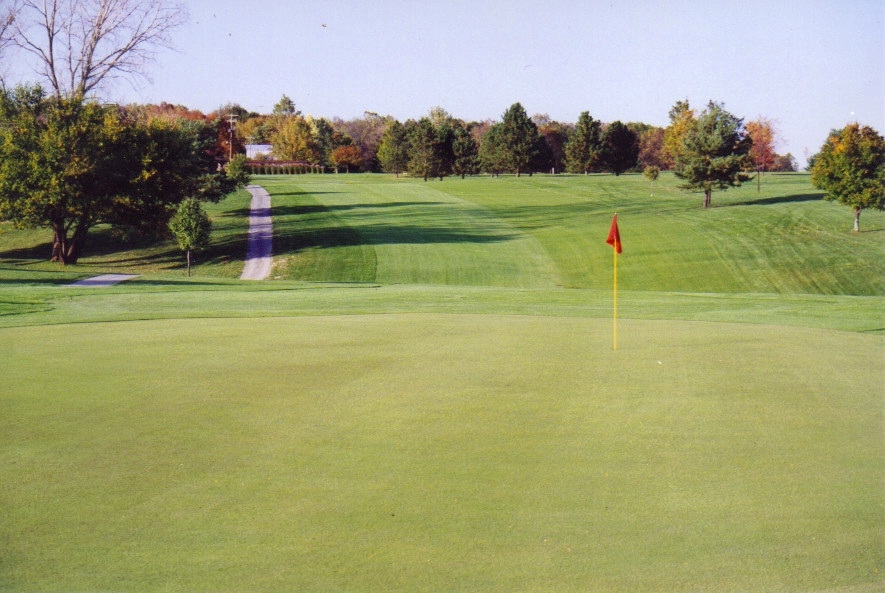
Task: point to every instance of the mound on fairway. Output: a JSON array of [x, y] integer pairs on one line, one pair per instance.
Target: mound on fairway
[[441, 453]]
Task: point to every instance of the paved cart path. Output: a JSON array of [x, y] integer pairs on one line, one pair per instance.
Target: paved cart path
[[258, 246], [103, 280]]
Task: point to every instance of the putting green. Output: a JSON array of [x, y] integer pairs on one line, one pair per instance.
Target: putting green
[[426, 452]]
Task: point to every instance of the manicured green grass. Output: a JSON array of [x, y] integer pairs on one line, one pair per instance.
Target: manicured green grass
[[424, 397], [440, 453]]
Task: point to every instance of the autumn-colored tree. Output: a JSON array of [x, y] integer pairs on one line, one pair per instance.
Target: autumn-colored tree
[[349, 157], [681, 120], [764, 135], [850, 167], [365, 133], [651, 148], [554, 136], [293, 140]]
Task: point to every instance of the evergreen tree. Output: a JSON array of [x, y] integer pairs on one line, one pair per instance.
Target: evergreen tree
[[583, 151], [519, 138], [714, 152], [465, 152], [424, 159], [492, 151], [393, 150]]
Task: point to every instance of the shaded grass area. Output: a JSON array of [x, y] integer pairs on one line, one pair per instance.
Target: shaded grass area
[[441, 453], [24, 253]]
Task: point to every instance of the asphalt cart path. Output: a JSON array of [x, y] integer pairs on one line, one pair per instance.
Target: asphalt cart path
[[258, 246]]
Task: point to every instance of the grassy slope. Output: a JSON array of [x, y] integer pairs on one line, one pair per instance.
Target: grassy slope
[[545, 232]]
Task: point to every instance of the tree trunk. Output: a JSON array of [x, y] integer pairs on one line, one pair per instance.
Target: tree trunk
[[59, 244], [188, 263], [708, 194], [857, 219]]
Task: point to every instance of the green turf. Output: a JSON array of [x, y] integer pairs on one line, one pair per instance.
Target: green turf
[[424, 397], [441, 453]]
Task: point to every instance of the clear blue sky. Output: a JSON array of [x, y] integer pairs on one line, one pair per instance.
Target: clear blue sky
[[811, 65]]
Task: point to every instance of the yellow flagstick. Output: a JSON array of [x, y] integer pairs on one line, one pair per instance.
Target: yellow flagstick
[[615, 334]]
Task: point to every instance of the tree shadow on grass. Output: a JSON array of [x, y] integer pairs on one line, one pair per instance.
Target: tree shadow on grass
[[780, 200], [280, 211]]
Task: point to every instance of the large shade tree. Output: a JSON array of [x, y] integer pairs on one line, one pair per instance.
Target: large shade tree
[[70, 164], [714, 152], [850, 167]]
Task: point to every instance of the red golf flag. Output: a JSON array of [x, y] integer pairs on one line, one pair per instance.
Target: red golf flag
[[614, 236]]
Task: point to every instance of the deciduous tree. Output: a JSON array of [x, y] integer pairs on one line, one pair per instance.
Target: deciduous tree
[[349, 156], [620, 148], [191, 227], [681, 120], [70, 164], [714, 152], [763, 133], [60, 166], [651, 148], [293, 140], [850, 167], [651, 173], [81, 45]]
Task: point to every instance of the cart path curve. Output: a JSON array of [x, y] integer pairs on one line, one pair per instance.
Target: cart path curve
[[258, 246]]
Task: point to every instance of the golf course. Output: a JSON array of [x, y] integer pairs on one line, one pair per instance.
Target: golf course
[[425, 395]]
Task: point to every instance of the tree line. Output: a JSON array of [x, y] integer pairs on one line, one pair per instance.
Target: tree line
[[439, 144]]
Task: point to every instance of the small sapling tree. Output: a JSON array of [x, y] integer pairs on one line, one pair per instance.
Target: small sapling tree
[[191, 227], [651, 173]]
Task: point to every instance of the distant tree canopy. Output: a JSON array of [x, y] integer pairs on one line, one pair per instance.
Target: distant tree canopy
[[850, 167], [70, 164]]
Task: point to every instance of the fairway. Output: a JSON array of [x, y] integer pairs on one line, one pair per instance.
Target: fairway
[[424, 396]]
